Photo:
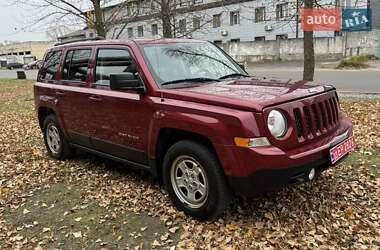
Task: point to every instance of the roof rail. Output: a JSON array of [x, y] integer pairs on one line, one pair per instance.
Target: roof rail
[[81, 40]]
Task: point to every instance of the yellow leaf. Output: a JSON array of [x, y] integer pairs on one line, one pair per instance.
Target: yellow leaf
[[269, 216], [231, 227], [349, 211], [46, 229]]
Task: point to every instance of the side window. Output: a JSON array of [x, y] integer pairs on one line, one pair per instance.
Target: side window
[[76, 65], [51, 65], [111, 61]]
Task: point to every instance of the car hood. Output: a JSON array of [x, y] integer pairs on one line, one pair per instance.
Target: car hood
[[249, 93]]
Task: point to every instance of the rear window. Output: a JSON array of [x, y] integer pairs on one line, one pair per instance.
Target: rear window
[[76, 65], [50, 68]]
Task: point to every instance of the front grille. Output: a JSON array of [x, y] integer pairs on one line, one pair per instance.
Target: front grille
[[297, 117], [317, 118]]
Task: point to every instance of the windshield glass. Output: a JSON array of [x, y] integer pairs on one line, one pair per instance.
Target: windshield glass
[[180, 61]]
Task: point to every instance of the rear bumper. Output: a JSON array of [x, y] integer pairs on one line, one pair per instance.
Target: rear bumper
[[266, 180]]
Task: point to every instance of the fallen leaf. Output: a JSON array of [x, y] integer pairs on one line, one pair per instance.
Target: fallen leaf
[[77, 234]]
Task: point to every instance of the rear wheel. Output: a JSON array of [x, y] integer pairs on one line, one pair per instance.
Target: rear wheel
[[195, 180], [55, 141]]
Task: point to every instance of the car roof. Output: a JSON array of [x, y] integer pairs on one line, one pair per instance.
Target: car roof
[[125, 42]]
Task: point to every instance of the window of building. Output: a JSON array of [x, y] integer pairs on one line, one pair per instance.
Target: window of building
[[140, 31], [20, 53], [281, 37], [216, 20], [184, 3], [218, 43], [182, 25], [259, 38], [234, 18], [196, 23], [51, 65], [76, 65], [154, 29], [282, 11], [130, 32], [260, 14], [235, 41], [112, 61]]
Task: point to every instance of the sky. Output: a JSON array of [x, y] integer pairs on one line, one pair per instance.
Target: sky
[[12, 20]]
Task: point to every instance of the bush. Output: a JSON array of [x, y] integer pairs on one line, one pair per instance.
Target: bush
[[354, 62]]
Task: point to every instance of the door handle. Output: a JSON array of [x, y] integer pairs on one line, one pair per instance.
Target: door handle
[[95, 98], [60, 93]]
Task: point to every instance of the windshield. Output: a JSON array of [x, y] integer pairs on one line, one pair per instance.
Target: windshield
[[180, 62]]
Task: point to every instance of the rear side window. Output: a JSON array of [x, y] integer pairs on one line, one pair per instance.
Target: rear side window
[[50, 68], [76, 65], [113, 61]]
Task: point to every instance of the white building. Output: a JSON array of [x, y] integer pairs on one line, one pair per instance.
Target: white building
[[223, 21]]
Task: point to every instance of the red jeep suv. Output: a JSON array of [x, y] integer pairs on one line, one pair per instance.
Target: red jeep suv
[[188, 113]]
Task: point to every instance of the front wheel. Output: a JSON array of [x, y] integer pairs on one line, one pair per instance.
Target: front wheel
[[55, 141], [195, 181]]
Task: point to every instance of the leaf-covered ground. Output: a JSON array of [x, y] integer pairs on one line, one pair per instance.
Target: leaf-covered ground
[[89, 202]]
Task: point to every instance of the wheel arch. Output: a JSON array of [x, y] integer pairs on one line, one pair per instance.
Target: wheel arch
[[167, 137], [43, 112]]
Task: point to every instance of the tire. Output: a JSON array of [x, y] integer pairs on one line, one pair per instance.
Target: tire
[[55, 141], [11, 68], [195, 180]]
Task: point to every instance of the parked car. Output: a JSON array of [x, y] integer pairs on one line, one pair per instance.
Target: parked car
[[14, 65], [34, 65], [188, 113]]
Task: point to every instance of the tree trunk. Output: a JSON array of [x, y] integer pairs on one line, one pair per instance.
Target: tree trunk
[[99, 22], [308, 43], [165, 18]]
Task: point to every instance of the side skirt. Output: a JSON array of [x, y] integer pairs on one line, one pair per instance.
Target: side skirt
[[112, 157]]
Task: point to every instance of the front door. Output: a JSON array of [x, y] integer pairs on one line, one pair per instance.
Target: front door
[[122, 117]]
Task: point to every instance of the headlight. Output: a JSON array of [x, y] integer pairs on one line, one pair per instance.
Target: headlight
[[277, 124]]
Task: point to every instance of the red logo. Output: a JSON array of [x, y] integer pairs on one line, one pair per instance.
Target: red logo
[[321, 19]]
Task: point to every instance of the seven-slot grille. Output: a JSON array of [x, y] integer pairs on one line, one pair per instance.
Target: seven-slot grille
[[317, 118]]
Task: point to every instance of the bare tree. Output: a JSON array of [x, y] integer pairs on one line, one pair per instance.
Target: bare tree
[[174, 17], [73, 13], [308, 47]]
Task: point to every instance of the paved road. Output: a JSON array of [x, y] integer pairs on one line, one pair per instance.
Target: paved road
[[365, 81], [12, 74]]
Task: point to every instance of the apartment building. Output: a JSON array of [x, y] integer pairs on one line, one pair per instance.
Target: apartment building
[[223, 21]]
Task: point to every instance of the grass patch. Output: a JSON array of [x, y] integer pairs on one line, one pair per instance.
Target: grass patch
[[16, 95], [354, 62], [369, 160], [59, 216]]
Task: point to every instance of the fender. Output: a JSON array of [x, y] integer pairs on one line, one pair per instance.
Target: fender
[[44, 99], [219, 125]]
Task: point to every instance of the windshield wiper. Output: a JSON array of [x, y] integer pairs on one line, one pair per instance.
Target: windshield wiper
[[198, 79], [232, 75]]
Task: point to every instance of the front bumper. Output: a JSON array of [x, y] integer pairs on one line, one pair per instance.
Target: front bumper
[[266, 180], [257, 170]]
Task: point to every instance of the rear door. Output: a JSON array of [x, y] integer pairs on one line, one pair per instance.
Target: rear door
[[73, 95], [122, 117]]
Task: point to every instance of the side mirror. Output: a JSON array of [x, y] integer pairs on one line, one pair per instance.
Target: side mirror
[[126, 81]]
